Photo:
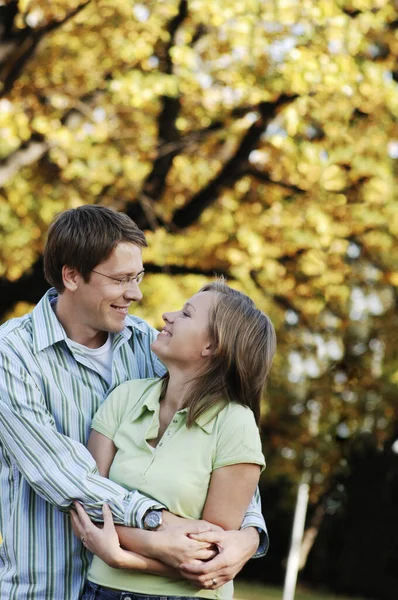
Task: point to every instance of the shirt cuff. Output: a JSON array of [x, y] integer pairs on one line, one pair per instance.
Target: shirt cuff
[[138, 507], [261, 527]]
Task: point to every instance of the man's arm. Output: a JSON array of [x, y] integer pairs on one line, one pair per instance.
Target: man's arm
[[254, 519], [58, 468]]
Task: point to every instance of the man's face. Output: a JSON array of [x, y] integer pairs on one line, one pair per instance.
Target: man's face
[[101, 304]]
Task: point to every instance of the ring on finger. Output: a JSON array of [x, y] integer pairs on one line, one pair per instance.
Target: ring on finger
[[214, 582], [82, 538]]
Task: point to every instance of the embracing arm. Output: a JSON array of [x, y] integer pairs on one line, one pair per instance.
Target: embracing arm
[[229, 494], [57, 467], [231, 487], [137, 544], [230, 491]]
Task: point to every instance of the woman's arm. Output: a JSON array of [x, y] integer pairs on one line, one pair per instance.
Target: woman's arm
[[179, 549], [104, 542], [230, 491], [103, 451]]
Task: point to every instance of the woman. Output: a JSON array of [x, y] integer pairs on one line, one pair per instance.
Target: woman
[[189, 440]]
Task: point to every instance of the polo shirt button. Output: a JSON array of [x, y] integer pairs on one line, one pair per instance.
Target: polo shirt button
[[174, 420]]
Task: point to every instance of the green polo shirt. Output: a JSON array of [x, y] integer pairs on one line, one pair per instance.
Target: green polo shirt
[[177, 472]]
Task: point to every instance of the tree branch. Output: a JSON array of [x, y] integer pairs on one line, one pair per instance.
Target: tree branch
[[230, 173], [25, 155], [168, 133], [265, 178], [25, 51]]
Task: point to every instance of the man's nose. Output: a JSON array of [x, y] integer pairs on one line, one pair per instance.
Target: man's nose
[[133, 292]]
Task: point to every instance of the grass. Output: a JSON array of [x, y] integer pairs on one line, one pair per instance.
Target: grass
[[256, 591]]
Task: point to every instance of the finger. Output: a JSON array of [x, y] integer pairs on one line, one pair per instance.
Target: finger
[[207, 554], [108, 518], [211, 537], [109, 526], [206, 581], [194, 547], [198, 527], [83, 516], [203, 568]]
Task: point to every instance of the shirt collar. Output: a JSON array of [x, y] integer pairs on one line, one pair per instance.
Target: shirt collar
[[47, 330], [205, 421]]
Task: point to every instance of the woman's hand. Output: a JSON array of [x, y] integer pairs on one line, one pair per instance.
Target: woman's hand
[[102, 541]]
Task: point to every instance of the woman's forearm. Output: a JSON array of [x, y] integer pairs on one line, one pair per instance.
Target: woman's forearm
[[172, 546], [136, 540], [138, 562]]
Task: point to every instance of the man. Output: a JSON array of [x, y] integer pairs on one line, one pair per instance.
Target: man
[[57, 365]]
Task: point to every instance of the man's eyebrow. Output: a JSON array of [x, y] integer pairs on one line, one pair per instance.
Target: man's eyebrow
[[124, 274]]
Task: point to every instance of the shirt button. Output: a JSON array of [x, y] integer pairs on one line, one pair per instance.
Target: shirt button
[[174, 420]]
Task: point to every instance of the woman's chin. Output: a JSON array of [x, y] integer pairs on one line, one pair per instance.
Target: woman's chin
[[156, 348]]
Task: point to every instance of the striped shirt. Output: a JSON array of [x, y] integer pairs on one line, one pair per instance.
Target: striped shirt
[[49, 392]]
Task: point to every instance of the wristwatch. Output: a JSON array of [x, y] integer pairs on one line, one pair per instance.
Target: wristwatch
[[152, 519]]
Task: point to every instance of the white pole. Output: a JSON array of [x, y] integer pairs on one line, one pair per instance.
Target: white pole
[[297, 537]]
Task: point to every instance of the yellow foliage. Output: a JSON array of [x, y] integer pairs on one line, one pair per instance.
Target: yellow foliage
[[295, 201]]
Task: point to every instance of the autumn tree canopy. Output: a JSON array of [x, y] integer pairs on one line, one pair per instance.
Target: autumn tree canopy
[[253, 139]]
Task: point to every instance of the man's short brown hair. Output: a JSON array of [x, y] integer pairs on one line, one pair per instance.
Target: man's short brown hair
[[84, 237]]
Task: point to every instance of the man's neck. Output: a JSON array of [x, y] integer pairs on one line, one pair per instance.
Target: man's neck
[[76, 331]]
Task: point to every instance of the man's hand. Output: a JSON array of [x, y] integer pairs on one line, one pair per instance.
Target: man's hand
[[235, 548]]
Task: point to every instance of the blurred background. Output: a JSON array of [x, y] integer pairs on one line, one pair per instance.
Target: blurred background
[[256, 139]]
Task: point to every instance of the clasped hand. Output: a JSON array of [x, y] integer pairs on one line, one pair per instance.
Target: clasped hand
[[195, 550]]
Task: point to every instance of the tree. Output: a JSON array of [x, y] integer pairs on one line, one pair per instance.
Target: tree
[[257, 140]]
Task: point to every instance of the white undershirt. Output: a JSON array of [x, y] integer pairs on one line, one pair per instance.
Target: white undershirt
[[101, 357]]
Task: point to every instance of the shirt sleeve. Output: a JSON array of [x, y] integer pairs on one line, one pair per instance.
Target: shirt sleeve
[[58, 468], [238, 438], [121, 402], [239, 441]]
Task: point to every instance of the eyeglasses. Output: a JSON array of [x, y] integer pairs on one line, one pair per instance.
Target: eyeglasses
[[124, 282]]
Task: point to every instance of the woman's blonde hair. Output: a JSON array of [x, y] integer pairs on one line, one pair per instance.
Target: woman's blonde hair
[[244, 344]]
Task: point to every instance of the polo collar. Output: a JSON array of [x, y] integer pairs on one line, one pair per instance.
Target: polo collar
[[206, 421]]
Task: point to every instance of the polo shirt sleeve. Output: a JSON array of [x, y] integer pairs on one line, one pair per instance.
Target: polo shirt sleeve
[[238, 438], [118, 405]]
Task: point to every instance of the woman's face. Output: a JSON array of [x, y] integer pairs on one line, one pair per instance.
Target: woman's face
[[185, 339]]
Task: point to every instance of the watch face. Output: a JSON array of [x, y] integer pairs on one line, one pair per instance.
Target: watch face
[[153, 519]]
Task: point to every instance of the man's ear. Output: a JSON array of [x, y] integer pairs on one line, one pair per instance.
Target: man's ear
[[70, 277]]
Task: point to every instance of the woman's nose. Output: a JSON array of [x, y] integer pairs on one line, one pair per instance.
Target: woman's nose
[[167, 317]]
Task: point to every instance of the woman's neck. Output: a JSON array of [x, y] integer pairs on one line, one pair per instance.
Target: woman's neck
[[177, 385]]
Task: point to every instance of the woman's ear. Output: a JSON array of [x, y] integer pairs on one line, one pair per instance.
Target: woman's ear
[[207, 350]]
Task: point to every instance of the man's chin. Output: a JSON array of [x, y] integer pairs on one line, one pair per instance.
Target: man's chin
[[116, 327]]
